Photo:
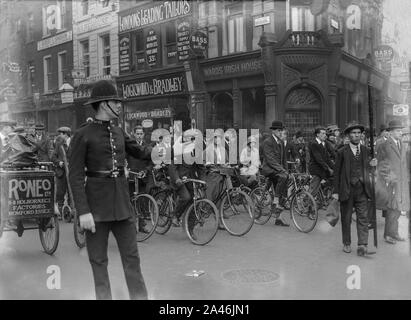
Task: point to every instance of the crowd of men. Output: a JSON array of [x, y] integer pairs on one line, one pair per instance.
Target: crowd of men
[[100, 153]]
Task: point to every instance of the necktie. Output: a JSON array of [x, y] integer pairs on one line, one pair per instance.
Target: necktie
[[357, 153]]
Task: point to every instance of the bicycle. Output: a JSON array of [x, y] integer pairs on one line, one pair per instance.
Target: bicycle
[[145, 209], [200, 219], [301, 203], [236, 208]]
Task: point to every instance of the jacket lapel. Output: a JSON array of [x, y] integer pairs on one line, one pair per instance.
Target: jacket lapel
[[347, 161], [394, 147]]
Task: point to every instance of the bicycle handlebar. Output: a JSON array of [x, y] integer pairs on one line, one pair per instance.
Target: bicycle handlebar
[[186, 180]]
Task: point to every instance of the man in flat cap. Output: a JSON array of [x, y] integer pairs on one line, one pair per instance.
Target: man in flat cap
[[6, 127], [98, 151], [352, 187], [44, 145]]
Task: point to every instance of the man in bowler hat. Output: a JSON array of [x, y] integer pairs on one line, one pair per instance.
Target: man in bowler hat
[[352, 187], [275, 166], [98, 150], [394, 173]]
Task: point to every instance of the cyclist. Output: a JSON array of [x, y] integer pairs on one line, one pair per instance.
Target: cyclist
[[275, 166]]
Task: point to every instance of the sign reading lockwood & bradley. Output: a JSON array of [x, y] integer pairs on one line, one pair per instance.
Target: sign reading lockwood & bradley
[[173, 84], [137, 18], [239, 68]]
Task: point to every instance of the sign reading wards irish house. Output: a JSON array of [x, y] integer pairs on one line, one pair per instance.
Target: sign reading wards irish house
[[157, 12], [233, 69], [155, 86]]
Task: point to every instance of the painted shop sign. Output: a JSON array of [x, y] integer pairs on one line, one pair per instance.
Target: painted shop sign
[[233, 69], [199, 42], [183, 40], [124, 47], [156, 113], [95, 23], [152, 48], [55, 41], [27, 193], [163, 11], [173, 84]]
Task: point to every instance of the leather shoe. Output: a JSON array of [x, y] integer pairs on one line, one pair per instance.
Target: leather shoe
[[363, 251], [281, 223], [390, 240], [347, 248]]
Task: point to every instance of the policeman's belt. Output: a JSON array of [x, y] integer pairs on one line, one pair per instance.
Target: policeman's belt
[[105, 174]]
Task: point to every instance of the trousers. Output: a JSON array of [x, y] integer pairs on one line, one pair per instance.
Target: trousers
[[391, 223], [125, 234], [358, 201]]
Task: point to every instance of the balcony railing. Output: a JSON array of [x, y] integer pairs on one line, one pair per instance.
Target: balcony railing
[[303, 39]]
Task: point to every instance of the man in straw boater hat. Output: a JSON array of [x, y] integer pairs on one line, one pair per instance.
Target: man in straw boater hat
[[394, 171], [352, 187], [98, 150]]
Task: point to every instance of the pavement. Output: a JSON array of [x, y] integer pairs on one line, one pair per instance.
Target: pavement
[[270, 262]]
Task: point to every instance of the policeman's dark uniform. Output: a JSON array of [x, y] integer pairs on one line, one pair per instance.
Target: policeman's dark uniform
[[98, 151]]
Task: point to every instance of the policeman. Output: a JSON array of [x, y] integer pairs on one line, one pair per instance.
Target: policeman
[[98, 150]]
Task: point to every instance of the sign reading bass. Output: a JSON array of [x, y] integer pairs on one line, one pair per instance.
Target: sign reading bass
[[151, 15], [154, 87]]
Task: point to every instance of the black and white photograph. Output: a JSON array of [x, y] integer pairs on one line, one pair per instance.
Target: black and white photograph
[[218, 152]]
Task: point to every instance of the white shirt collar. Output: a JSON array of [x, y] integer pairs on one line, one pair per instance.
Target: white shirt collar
[[3, 138], [353, 148], [319, 141], [276, 139]]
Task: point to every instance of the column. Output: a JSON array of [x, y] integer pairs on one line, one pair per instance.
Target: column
[[271, 112], [331, 113], [198, 107]]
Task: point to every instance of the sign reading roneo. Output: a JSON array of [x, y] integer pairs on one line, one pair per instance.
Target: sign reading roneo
[[27, 194], [137, 18]]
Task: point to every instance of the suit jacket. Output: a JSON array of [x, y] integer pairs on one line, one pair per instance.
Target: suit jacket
[[394, 172], [59, 156], [44, 149], [102, 146], [342, 185], [274, 160], [139, 164], [320, 161]]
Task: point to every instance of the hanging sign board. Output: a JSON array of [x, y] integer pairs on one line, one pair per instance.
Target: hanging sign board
[[183, 40], [152, 48]]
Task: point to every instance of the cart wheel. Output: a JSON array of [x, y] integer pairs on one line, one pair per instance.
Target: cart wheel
[[66, 212], [49, 234], [79, 234]]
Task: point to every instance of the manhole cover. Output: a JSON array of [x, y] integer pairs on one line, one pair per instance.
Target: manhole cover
[[250, 276]]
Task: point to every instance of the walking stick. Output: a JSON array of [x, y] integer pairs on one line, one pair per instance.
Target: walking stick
[[371, 120]]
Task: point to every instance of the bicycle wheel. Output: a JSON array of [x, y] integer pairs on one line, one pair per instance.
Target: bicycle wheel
[[237, 212], [262, 200], [201, 222], [304, 211], [49, 234], [146, 211], [79, 234], [165, 208]]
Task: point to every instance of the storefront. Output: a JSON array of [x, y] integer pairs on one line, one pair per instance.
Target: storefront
[[235, 88], [154, 101]]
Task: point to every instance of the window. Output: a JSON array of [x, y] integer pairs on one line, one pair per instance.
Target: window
[[139, 56], [47, 73], [301, 17], [236, 39], [30, 78], [105, 46], [30, 27], [62, 67], [85, 57], [84, 7], [171, 43]]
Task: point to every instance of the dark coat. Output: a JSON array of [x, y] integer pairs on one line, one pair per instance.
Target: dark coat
[[320, 161], [44, 149], [274, 160], [59, 156], [139, 164], [342, 168], [394, 173], [102, 146]]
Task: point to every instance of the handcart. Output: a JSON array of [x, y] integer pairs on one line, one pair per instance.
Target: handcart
[[27, 202]]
